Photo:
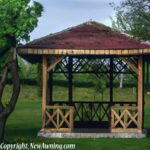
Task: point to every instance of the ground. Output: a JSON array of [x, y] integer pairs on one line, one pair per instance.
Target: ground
[[25, 122]]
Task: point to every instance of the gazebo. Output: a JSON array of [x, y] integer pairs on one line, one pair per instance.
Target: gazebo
[[101, 49]]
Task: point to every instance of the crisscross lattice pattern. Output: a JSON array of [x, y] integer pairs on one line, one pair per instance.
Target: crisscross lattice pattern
[[59, 118], [124, 117]]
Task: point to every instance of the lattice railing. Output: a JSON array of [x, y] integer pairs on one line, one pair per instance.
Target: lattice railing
[[92, 111], [124, 118], [59, 118]]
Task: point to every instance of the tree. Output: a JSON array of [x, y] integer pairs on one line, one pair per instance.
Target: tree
[[133, 18], [100, 84], [18, 18]]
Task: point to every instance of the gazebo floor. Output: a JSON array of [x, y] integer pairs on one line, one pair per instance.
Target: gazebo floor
[[90, 133]]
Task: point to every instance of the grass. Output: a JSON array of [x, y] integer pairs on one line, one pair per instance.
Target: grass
[[25, 121]]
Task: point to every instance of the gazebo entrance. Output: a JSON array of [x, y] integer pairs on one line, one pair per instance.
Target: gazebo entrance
[[116, 116]]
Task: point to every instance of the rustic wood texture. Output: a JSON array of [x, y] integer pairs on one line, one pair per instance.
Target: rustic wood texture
[[140, 91], [57, 118], [120, 130], [83, 52], [123, 118], [55, 63], [132, 66], [90, 112], [44, 89]]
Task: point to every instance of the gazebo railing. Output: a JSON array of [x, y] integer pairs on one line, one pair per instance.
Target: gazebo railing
[[59, 118], [124, 118], [92, 111]]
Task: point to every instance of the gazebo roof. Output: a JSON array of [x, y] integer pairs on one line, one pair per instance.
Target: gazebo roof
[[87, 38]]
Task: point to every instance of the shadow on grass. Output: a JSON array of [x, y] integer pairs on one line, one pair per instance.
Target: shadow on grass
[[23, 132]]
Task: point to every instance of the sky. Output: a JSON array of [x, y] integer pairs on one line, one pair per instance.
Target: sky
[[62, 14]]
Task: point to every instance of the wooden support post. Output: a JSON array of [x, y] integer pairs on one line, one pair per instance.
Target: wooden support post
[[50, 87], [44, 89], [70, 79], [140, 92], [111, 79]]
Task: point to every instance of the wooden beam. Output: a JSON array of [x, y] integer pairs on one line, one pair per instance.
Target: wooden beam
[[55, 63], [130, 130], [117, 52], [140, 92], [132, 66], [44, 89]]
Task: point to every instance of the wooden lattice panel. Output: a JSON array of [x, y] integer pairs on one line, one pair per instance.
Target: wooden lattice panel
[[124, 118], [59, 118]]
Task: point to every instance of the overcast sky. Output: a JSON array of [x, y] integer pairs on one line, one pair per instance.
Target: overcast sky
[[61, 14]]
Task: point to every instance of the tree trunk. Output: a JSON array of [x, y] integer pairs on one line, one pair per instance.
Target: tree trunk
[[2, 128], [121, 80], [6, 111]]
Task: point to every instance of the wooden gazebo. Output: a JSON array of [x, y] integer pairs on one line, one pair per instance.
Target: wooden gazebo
[[68, 52]]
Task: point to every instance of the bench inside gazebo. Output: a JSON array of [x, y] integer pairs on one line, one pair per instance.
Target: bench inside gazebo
[[89, 48]]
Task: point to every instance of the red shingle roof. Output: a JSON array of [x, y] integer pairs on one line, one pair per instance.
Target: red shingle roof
[[91, 35]]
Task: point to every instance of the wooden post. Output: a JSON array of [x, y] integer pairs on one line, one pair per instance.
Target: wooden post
[[70, 79], [50, 87], [111, 79], [44, 89], [71, 118], [140, 92]]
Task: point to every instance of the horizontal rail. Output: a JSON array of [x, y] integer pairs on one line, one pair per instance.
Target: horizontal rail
[[104, 102], [59, 107], [124, 107]]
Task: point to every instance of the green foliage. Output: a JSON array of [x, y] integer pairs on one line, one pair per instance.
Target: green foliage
[[133, 18], [3, 61], [100, 84], [27, 70], [25, 122], [18, 18]]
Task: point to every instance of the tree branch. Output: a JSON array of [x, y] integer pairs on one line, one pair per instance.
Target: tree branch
[[2, 85], [13, 69]]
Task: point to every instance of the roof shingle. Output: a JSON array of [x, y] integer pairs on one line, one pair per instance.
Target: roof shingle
[[91, 35]]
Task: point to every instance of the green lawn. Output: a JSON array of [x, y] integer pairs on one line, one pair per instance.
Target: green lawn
[[25, 122]]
